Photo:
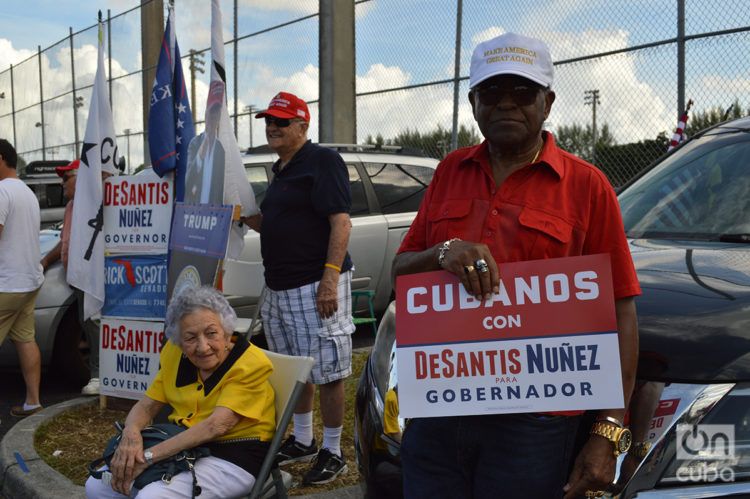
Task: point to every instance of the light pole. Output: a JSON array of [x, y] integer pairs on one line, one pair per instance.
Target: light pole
[[77, 103], [127, 138], [249, 110], [41, 125], [591, 98], [196, 65]]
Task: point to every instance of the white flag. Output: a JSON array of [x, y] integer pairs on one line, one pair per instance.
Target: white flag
[[237, 190], [98, 154]]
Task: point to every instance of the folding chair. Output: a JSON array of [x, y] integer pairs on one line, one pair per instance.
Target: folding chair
[[289, 377], [244, 279], [370, 296]]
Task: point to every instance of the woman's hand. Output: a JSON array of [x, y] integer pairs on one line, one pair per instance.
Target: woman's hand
[[461, 259], [128, 462]]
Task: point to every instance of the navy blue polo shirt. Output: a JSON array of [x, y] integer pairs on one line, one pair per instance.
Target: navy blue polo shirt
[[295, 230]]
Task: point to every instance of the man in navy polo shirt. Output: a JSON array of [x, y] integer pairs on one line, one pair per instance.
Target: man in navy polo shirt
[[304, 232]]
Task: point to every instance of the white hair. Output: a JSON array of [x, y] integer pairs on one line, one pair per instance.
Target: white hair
[[195, 298]]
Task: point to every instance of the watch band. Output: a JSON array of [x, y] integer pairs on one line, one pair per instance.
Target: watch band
[[148, 456], [611, 420]]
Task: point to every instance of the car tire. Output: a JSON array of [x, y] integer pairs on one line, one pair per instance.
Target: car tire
[[70, 353]]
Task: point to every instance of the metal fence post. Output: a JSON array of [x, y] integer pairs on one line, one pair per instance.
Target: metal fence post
[[457, 75], [13, 107], [41, 124], [235, 68], [75, 98], [109, 55], [680, 57]]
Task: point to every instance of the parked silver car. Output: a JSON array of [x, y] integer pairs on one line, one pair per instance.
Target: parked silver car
[[387, 186]]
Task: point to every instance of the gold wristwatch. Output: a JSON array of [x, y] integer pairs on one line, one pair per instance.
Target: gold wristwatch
[[620, 437]]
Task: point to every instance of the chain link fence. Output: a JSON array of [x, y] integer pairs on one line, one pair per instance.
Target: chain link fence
[[617, 81]]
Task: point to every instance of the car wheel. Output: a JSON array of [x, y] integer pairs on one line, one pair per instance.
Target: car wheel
[[70, 354]]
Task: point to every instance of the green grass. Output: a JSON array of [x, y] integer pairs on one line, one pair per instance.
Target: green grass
[[82, 433]]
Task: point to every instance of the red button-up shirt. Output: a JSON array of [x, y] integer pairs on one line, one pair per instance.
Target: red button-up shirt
[[559, 206]]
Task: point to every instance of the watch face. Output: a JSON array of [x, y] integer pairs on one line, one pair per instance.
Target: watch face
[[623, 443]]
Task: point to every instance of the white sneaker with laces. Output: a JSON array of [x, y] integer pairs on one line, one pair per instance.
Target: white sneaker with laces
[[92, 388]]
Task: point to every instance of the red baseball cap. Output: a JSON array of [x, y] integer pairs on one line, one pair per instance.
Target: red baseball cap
[[286, 105], [62, 170]]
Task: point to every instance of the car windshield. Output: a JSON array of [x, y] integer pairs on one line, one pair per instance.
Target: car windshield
[[701, 192]]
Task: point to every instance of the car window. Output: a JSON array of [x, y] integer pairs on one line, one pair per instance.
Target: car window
[[359, 199], [399, 188], [701, 192], [258, 178], [54, 195]]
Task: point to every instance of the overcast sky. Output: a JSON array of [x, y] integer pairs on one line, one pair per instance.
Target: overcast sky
[[407, 42]]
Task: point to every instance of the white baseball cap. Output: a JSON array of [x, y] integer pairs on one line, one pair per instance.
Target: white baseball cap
[[512, 54]]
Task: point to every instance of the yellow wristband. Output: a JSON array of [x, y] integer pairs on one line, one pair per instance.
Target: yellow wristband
[[334, 267]]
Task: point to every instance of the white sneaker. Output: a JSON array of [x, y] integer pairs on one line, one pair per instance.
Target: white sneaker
[[92, 388]]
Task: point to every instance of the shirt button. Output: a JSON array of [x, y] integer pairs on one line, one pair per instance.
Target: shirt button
[[200, 387], [489, 233], [494, 212]]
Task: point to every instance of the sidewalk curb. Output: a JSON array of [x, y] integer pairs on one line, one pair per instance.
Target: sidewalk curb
[[43, 482], [40, 481]]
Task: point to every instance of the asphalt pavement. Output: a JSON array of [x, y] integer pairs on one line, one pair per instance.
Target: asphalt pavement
[[13, 391]]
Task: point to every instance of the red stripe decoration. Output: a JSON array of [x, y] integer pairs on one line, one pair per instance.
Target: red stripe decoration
[[679, 133]]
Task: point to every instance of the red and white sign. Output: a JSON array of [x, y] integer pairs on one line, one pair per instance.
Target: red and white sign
[[137, 213], [546, 342], [662, 418], [128, 356]]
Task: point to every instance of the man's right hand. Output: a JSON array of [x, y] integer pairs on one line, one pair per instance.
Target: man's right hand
[[253, 221], [462, 256]]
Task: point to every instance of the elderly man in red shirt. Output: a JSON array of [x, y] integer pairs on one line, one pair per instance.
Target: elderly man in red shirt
[[515, 197]]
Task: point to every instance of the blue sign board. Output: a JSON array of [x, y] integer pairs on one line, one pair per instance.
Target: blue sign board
[[201, 229], [135, 286]]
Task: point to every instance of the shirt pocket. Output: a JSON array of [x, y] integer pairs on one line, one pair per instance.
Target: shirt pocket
[[547, 235], [451, 219]]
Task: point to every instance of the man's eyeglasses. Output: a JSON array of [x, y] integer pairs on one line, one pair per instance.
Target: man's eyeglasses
[[522, 95], [279, 122]]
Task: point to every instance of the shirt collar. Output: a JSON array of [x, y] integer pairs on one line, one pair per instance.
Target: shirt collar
[[297, 156], [549, 157], [187, 373]]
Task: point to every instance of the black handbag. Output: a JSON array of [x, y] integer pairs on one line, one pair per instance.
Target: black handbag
[[163, 470]]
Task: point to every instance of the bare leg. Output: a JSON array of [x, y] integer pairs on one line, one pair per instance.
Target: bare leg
[[31, 368], [332, 403], [306, 398]]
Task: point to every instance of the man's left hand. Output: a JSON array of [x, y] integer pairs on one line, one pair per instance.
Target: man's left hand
[[594, 468], [327, 301]]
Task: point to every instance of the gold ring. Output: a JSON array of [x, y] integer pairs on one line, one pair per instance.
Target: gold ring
[[468, 269], [595, 493]]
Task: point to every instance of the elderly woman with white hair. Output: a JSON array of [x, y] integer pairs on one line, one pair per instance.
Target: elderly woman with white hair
[[218, 389]]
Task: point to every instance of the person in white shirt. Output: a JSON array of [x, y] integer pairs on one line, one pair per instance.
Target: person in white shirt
[[21, 274]]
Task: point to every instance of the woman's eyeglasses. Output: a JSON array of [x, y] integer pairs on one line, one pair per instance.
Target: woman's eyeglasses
[[279, 122], [522, 95]]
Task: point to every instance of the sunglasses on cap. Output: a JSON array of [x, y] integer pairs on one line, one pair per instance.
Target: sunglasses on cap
[[522, 95], [279, 122]]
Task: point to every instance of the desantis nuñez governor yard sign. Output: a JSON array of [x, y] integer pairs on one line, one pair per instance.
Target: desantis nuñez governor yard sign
[[546, 342]]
